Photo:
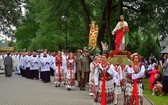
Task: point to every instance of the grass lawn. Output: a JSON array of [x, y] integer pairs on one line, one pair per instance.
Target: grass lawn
[[157, 100]]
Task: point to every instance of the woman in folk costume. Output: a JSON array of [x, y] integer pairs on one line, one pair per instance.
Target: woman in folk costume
[[117, 85], [59, 76], [134, 75], [152, 76], [70, 72], [121, 40], [93, 66], [104, 82]]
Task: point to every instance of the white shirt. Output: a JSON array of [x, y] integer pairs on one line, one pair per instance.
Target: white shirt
[[23, 62], [130, 70], [34, 63], [110, 70], [64, 62], [28, 60], [52, 62], [45, 63]]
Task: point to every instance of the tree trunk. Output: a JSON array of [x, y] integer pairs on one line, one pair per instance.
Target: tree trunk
[[86, 16], [108, 16], [102, 29], [119, 8], [105, 23]]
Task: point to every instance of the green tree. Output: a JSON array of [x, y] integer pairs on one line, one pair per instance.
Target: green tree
[[50, 30], [10, 15], [149, 46]]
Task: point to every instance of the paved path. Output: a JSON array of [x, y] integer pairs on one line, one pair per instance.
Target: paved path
[[17, 90]]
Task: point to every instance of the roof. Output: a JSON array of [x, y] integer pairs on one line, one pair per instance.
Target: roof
[[3, 44], [165, 50]]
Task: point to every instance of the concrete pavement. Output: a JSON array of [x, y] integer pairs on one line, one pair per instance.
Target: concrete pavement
[[17, 90]]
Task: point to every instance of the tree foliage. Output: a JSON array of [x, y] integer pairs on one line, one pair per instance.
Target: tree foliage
[[148, 47], [10, 15], [43, 27]]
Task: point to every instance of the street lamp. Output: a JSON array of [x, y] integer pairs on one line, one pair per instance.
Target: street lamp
[[64, 18]]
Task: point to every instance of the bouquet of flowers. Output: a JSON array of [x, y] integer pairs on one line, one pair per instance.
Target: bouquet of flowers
[[93, 51]]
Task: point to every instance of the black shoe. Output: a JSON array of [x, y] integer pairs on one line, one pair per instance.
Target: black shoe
[[56, 86], [69, 89], [59, 85], [84, 89]]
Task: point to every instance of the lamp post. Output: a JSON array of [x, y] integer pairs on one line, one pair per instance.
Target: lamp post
[[64, 18]]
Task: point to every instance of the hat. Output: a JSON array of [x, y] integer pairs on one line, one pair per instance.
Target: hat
[[79, 50], [65, 50], [85, 50]]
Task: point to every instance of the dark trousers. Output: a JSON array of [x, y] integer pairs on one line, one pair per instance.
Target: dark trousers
[[34, 74], [27, 72], [23, 72], [51, 71], [84, 80], [45, 76]]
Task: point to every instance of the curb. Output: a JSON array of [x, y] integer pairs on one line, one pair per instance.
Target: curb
[[149, 100], [2, 72]]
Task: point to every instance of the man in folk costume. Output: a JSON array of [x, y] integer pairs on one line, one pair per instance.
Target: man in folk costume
[[70, 73], [45, 68], [28, 59], [134, 75], [104, 82], [93, 66], [121, 39], [117, 86], [85, 68], [78, 59], [59, 75], [34, 66]]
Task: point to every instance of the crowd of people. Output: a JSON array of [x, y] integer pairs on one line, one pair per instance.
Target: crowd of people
[[106, 81], [157, 72]]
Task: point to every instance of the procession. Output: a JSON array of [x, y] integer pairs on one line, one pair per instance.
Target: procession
[[98, 52], [106, 79]]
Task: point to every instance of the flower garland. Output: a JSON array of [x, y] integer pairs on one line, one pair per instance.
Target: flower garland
[[119, 52]]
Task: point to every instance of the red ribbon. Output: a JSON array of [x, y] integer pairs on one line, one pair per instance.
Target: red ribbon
[[59, 72], [135, 93], [58, 59], [70, 68], [103, 101]]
